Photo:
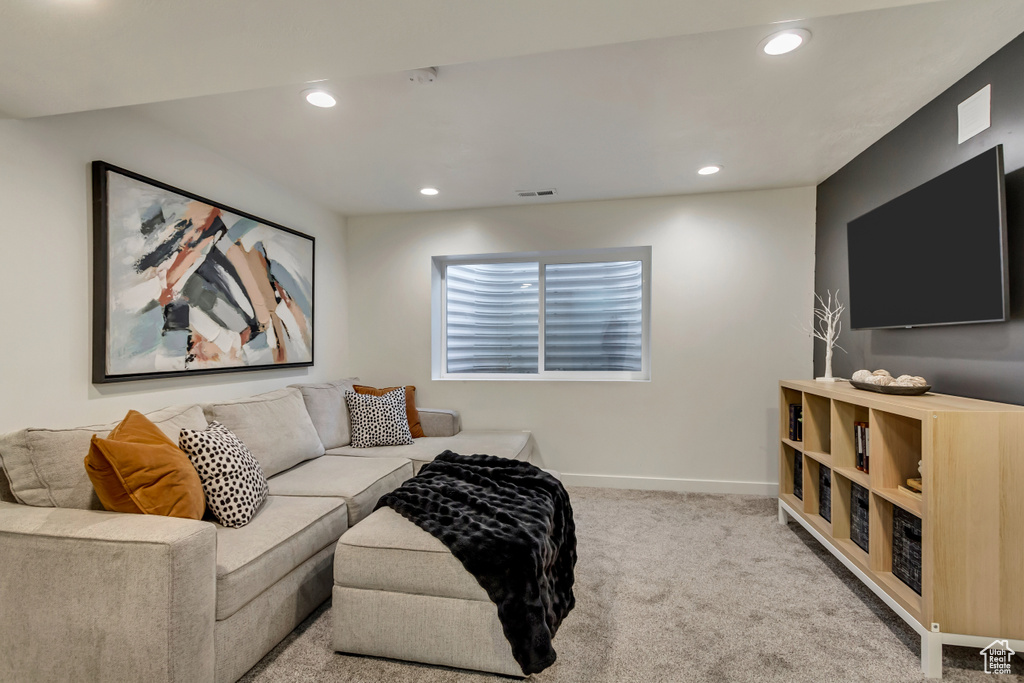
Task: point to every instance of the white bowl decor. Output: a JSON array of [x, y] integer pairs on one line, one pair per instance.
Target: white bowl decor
[[884, 383]]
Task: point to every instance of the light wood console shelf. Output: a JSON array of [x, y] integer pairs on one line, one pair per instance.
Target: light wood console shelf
[[971, 508]]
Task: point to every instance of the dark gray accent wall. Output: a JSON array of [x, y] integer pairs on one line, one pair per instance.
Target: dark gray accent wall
[[982, 360]]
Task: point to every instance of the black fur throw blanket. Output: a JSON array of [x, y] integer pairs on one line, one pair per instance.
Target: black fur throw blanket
[[510, 524]]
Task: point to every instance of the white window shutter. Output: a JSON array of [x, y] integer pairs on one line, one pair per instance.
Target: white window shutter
[[593, 316], [492, 318]]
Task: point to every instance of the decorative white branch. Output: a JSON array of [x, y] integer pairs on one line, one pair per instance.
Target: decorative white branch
[[826, 326]]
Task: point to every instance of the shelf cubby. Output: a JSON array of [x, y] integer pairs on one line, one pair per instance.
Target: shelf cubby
[[911, 504], [972, 459], [817, 419], [844, 416], [825, 493], [854, 475], [797, 445], [789, 397], [819, 457], [881, 556], [841, 507], [880, 550], [787, 469], [895, 449], [812, 500]]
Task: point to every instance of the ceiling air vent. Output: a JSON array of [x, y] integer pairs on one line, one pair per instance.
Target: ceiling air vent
[[524, 194]]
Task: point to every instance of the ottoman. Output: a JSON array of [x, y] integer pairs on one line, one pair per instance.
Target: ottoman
[[400, 593]]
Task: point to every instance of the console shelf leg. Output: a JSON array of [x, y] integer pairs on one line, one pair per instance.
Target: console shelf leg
[[931, 655]]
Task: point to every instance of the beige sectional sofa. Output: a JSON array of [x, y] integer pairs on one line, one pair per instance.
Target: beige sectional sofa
[[90, 595]]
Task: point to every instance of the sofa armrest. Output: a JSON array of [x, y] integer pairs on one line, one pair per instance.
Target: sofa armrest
[[440, 422], [104, 596]]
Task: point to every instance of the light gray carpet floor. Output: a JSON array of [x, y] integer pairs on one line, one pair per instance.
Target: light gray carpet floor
[[682, 587]]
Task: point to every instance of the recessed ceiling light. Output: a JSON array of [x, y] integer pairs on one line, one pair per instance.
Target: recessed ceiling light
[[429, 191], [709, 170], [785, 41], [320, 98]]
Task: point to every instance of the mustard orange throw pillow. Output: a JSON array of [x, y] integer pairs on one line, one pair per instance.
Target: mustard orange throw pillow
[[137, 469], [411, 413]]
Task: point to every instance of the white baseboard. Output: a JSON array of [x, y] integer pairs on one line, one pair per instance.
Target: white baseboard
[[670, 484]]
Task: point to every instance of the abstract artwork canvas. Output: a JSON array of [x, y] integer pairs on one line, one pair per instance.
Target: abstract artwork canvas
[[185, 285]]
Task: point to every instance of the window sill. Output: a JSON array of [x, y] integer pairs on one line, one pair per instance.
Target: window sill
[[498, 378]]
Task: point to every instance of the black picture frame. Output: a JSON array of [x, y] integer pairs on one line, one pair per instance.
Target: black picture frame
[[297, 340]]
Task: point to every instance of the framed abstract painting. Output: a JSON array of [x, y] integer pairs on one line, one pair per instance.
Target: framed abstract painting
[[184, 285]]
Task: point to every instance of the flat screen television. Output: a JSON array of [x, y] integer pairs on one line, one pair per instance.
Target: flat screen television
[[935, 255]]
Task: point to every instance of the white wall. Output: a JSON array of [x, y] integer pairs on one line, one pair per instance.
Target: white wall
[[732, 279], [45, 266]]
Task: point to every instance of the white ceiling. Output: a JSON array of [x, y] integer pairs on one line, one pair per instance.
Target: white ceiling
[[530, 94], [59, 56]]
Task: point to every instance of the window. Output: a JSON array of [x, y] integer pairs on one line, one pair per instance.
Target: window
[[582, 315]]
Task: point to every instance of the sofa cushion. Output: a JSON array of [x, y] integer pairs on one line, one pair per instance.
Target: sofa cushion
[[284, 533], [233, 480], [378, 420], [326, 406], [387, 552], [137, 469], [412, 415], [359, 481], [518, 445], [44, 466], [6, 495], [274, 426], [436, 422]]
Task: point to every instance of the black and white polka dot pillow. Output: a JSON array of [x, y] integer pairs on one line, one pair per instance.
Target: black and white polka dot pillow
[[378, 420], [232, 478]]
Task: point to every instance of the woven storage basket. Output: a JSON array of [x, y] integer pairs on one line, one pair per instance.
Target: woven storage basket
[[825, 493], [859, 516], [906, 548]]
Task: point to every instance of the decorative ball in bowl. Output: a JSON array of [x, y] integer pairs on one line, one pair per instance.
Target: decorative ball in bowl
[[884, 383]]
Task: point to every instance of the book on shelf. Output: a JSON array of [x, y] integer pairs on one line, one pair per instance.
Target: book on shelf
[[867, 448], [796, 422], [910, 492], [914, 484], [858, 449], [861, 444]]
